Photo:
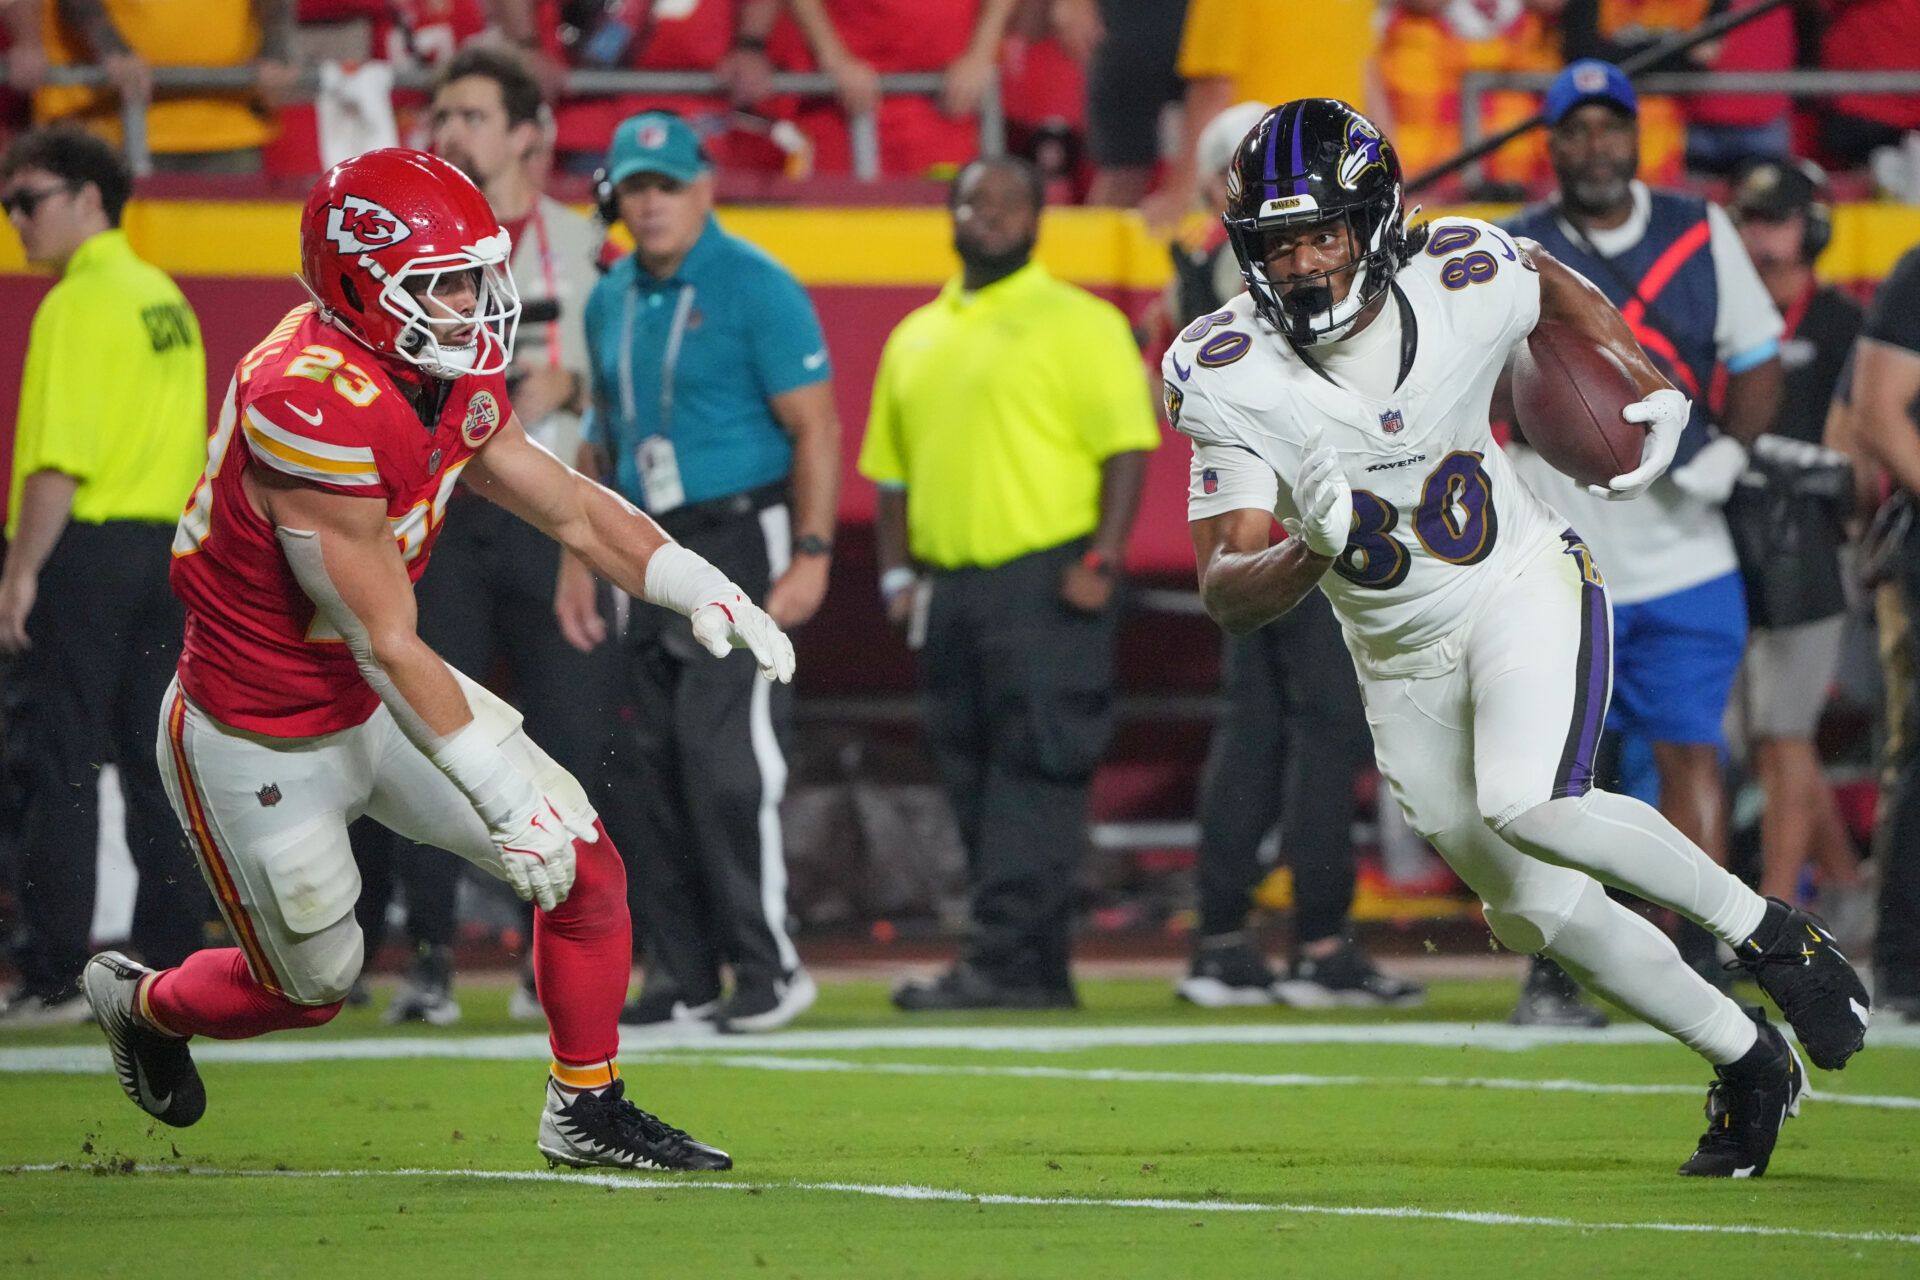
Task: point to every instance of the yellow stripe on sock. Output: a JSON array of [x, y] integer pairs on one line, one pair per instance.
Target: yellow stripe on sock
[[597, 1076]]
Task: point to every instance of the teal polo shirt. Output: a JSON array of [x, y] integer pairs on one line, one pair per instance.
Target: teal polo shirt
[[698, 357]]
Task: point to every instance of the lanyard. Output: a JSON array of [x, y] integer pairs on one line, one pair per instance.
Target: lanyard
[[669, 360], [548, 282]]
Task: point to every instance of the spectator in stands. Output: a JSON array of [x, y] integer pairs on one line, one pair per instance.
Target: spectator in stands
[[1787, 519], [1886, 424], [1044, 60], [487, 599], [1293, 737], [1260, 51], [1674, 266], [712, 410], [858, 41], [1131, 82], [726, 37], [111, 433], [1870, 35], [188, 130], [1429, 45], [1009, 434], [404, 35], [25, 60], [1728, 130], [1615, 30], [26, 49]]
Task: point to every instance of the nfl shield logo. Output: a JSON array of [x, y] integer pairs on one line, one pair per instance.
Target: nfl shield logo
[[1391, 422], [269, 795], [1210, 481]]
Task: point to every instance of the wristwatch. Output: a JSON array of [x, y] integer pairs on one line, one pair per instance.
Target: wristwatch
[[812, 544]]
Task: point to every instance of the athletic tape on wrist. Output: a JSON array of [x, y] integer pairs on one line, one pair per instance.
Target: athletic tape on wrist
[[683, 581]]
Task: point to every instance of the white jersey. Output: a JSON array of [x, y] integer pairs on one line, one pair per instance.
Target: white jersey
[[1440, 519]]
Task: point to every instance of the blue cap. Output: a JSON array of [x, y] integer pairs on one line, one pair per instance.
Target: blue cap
[[1590, 80], [655, 142]]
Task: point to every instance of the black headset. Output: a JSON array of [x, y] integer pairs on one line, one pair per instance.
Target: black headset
[[606, 197], [1816, 214]]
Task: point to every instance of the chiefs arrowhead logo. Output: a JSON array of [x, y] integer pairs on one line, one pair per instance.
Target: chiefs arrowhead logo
[[358, 225], [483, 415]]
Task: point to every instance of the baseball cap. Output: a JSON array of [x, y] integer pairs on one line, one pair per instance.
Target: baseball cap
[[1775, 188], [1590, 80], [655, 142]]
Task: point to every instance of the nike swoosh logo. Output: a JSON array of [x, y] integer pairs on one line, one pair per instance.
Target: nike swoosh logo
[[815, 360], [313, 417], [1184, 373], [153, 1105]]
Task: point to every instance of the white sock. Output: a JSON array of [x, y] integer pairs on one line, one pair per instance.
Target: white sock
[[1622, 956], [1628, 844]]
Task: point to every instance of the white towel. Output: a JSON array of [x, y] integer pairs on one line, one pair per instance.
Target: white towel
[[355, 110]]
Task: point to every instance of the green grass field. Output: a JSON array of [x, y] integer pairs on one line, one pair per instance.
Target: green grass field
[[1143, 1139]]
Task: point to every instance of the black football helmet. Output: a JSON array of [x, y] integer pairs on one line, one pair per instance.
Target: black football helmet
[[1309, 161]]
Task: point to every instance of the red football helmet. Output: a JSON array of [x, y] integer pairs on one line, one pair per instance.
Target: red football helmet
[[390, 243]]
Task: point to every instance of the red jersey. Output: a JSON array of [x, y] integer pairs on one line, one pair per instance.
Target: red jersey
[[311, 403]]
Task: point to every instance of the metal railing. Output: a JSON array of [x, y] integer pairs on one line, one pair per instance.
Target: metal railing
[[863, 130], [1476, 85]]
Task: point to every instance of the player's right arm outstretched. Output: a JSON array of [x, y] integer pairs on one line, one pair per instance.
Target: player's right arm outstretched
[[341, 549], [624, 545]]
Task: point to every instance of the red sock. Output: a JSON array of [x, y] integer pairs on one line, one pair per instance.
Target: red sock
[[582, 956], [214, 994]]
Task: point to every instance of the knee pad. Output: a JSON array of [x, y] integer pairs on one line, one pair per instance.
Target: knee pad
[[598, 901], [327, 973], [1526, 929]]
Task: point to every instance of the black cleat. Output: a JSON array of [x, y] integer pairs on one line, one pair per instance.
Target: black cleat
[[1551, 998], [967, 987], [1746, 1106], [426, 993], [1797, 963], [766, 1004], [602, 1129], [1344, 980], [661, 1007], [156, 1071], [1228, 971]]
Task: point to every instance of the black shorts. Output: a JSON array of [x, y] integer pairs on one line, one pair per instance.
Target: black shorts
[[1131, 79]]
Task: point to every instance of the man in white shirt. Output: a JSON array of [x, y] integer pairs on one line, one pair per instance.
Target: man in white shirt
[[1676, 269]]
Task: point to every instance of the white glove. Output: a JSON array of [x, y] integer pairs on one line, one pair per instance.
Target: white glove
[[1323, 499], [721, 626], [1664, 415], [1711, 474], [536, 850]]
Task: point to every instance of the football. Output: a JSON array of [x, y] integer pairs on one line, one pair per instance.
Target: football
[[1567, 396]]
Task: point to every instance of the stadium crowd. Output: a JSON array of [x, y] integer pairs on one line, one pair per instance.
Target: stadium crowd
[[1133, 104], [1084, 86]]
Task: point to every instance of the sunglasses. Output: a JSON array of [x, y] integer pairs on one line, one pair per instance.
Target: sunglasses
[[26, 203]]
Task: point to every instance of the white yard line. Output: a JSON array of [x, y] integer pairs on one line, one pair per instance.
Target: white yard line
[[1002, 1039], [707, 1050], [1286, 1080], [909, 1191]]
